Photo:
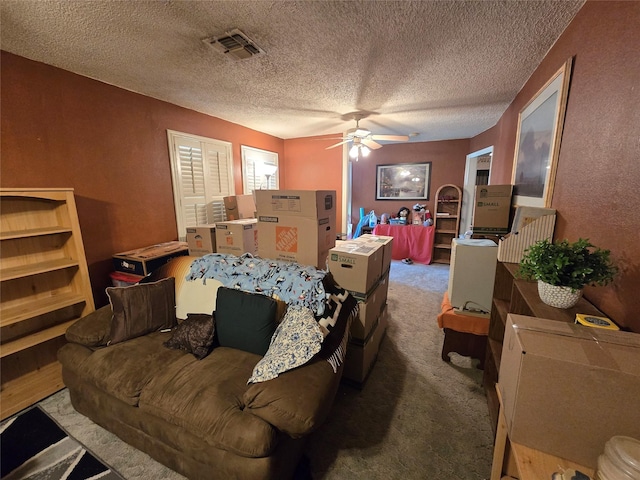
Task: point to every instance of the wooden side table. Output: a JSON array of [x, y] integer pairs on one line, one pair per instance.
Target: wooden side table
[[531, 464]]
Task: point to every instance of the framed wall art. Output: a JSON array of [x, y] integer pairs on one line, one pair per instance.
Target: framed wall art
[[403, 181], [538, 139]]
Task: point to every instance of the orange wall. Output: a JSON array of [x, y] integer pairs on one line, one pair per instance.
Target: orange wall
[[64, 130], [309, 166], [596, 189], [448, 160]]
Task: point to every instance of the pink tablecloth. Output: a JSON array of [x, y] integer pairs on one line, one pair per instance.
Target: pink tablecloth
[[409, 241]]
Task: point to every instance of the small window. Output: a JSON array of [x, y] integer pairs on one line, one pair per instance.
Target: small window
[[202, 174], [259, 170]]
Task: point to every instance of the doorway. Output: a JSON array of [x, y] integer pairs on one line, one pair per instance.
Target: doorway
[[477, 172]]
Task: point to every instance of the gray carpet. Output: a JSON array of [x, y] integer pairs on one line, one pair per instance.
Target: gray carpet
[[416, 417]]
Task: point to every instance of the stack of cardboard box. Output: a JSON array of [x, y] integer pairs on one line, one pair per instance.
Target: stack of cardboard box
[[362, 267], [296, 225]]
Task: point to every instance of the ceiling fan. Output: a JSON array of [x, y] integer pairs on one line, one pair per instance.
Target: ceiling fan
[[364, 141]]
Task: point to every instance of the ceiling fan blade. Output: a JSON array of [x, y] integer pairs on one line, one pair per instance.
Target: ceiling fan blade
[[370, 143], [338, 144], [391, 138]]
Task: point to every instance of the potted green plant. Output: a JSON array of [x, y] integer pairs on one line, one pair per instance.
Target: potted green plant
[[563, 269]]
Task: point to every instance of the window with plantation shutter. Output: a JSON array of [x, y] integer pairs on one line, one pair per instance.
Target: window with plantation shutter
[[257, 166], [202, 171]]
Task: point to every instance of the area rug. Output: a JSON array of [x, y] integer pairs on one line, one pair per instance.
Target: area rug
[[34, 447]]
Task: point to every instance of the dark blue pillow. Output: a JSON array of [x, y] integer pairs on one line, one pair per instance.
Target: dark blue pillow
[[244, 320]]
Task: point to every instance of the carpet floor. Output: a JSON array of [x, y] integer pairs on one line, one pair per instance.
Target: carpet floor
[[416, 417]]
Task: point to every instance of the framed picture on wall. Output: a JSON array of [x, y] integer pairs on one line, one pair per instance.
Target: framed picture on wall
[[403, 181], [538, 141]]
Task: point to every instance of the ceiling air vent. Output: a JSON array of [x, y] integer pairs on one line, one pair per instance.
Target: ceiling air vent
[[235, 44]]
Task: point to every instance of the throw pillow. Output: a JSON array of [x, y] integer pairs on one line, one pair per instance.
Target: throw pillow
[[141, 309], [296, 340], [244, 320], [194, 335]]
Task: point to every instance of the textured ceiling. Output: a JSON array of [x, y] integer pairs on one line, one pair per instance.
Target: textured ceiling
[[441, 69]]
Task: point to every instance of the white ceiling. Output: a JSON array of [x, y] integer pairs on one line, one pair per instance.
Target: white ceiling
[[441, 69]]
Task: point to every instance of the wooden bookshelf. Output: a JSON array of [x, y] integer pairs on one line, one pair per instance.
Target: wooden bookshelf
[[44, 288]]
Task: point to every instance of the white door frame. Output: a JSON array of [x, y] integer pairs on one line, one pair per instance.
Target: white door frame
[[470, 173]]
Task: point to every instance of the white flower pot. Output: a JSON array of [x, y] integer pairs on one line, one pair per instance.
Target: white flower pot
[[559, 297]]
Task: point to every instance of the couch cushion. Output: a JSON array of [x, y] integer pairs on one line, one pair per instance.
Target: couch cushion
[[93, 329], [194, 335], [141, 309], [245, 321], [122, 370], [205, 397]]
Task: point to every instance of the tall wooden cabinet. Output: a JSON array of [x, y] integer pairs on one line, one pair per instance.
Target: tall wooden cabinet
[[446, 221], [44, 288], [513, 295]]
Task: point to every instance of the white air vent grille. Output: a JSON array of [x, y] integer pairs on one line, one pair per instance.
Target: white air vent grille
[[235, 44]]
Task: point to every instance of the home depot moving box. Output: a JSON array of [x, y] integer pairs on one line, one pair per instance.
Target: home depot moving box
[[361, 355], [238, 207], [237, 237], [356, 265], [492, 208], [201, 240], [143, 261], [296, 225], [567, 389], [296, 203], [296, 239]]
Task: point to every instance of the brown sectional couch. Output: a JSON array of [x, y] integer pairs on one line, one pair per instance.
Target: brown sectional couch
[[198, 417]]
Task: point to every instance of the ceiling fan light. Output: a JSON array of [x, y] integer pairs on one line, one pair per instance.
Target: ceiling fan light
[[365, 151], [353, 152]]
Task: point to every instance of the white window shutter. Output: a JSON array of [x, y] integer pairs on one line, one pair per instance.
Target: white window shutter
[[203, 174]]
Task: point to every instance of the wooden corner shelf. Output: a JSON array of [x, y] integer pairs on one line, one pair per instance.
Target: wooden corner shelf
[[446, 221]]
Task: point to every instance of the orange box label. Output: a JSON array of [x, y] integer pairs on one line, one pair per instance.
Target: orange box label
[[287, 239]]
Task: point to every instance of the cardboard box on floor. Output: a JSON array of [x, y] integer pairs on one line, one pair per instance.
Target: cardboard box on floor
[[237, 237], [567, 389], [143, 261], [356, 265], [201, 240], [492, 208], [361, 356], [239, 207], [369, 309], [296, 203]]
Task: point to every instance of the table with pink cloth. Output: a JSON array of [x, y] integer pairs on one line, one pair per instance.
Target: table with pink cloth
[[409, 241]]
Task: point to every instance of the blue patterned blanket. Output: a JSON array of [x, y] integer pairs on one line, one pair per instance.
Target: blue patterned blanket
[[290, 282]]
